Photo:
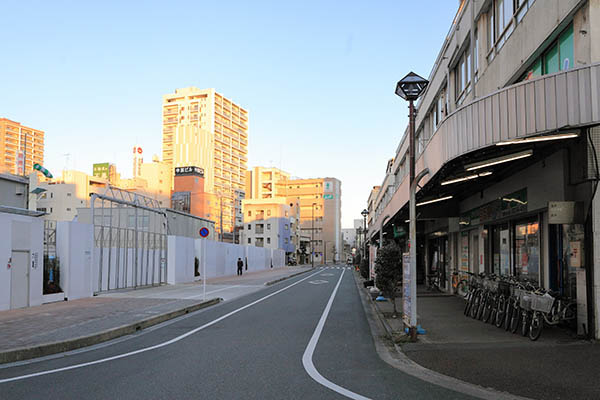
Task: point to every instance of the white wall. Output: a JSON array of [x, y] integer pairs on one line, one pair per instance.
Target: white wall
[[19, 232], [220, 259], [180, 259], [74, 241]]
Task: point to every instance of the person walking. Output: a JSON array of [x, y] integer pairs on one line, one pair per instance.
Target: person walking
[[240, 266]]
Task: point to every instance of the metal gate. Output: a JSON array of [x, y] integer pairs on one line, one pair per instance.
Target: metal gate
[[130, 240], [52, 283]]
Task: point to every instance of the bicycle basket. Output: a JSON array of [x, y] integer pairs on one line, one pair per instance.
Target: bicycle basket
[[542, 303], [504, 288], [526, 301]]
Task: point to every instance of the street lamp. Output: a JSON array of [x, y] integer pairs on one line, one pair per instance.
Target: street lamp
[[312, 242], [364, 213], [410, 88]]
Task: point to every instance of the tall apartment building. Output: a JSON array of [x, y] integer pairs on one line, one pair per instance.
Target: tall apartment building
[[261, 182], [20, 147], [203, 128]]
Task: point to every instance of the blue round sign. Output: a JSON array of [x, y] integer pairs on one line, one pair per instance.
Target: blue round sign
[[204, 232]]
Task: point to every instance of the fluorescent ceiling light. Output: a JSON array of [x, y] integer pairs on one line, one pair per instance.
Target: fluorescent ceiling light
[[499, 160], [434, 201], [539, 139], [466, 178]]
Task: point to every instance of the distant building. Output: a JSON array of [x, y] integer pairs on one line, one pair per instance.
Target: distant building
[[272, 223], [188, 193], [264, 183], [20, 147], [203, 128], [320, 214], [13, 191]]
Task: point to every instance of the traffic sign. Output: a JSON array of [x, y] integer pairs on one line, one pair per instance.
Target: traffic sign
[[204, 232]]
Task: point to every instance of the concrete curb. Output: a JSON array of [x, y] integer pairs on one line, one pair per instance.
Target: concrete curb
[[395, 357], [287, 277], [25, 353]]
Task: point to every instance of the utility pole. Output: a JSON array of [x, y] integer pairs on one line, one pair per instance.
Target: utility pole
[[312, 245]]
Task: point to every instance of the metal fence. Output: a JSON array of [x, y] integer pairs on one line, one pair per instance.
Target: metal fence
[[130, 239], [52, 282]]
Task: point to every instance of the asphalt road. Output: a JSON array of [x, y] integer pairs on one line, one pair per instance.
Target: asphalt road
[[248, 348]]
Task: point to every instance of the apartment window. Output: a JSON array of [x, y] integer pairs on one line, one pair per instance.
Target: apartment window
[[68, 209], [476, 55], [268, 240], [558, 56], [462, 75], [286, 240], [268, 226], [249, 227], [249, 213], [287, 227], [249, 240], [68, 194], [268, 212]]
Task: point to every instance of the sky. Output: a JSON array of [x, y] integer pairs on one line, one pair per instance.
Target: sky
[[317, 78]]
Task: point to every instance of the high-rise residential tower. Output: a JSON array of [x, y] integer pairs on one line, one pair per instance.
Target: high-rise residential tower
[[202, 128], [20, 147]]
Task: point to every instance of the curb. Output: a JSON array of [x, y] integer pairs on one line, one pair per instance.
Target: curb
[[286, 277], [393, 355], [26, 353]]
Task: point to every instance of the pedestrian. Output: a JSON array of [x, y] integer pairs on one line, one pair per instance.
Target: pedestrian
[[246, 258], [240, 265]]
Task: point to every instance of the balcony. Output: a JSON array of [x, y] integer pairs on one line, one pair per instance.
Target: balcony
[[543, 105]]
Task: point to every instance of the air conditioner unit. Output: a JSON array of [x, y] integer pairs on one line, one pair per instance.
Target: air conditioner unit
[[20, 190]]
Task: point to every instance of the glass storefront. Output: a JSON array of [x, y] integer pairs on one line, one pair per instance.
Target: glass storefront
[[501, 250], [527, 250]]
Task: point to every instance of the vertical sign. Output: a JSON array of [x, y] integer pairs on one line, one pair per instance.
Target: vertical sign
[[406, 278]]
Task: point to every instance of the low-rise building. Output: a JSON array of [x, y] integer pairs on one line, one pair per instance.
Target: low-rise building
[[272, 223]]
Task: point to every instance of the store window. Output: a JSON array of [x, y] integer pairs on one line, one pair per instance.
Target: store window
[[557, 57], [527, 250], [501, 250]]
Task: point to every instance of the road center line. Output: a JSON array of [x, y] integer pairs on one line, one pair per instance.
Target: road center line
[[310, 349], [157, 346]]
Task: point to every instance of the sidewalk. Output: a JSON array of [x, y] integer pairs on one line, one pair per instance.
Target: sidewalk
[[557, 366], [57, 327]]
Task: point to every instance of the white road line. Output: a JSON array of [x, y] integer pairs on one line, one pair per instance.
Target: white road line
[[157, 346], [214, 291], [310, 349]]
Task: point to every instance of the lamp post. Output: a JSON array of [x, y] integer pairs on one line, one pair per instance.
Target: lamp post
[[364, 213], [410, 88], [312, 241]]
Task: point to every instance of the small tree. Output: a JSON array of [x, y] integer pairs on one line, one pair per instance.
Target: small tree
[[388, 270], [364, 268]]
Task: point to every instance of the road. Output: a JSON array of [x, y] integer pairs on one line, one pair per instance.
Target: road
[[305, 338]]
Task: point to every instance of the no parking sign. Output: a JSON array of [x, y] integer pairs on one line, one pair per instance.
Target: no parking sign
[[204, 232]]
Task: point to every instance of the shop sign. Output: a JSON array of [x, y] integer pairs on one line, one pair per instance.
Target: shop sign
[[406, 299], [565, 212], [189, 171], [505, 206], [328, 196], [464, 255]]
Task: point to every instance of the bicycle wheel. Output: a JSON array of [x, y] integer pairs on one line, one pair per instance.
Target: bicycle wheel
[[487, 312], [500, 310], [469, 303], [462, 289], [482, 304], [537, 324], [525, 323], [515, 318], [508, 314], [475, 305]]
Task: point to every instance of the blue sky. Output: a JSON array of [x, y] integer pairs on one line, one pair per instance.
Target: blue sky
[[317, 77]]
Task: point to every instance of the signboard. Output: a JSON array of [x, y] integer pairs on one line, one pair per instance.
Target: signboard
[[328, 186], [565, 212], [179, 171], [101, 170], [204, 232], [406, 299], [464, 254], [511, 204], [328, 196]]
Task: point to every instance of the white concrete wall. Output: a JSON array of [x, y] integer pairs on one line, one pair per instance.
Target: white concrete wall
[[180, 259], [220, 259], [20, 232], [74, 241]]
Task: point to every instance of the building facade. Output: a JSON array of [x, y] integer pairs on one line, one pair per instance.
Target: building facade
[[20, 147], [320, 214], [265, 183], [272, 223], [205, 129], [508, 131]]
